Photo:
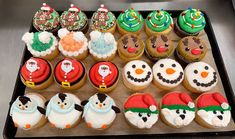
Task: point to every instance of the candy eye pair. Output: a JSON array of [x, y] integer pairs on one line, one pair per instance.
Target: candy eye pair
[[196, 71], [154, 46], [218, 112], [140, 115], [188, 49], [173, 65], [178, 111], [125, 46], [134, 66], [64, 103]]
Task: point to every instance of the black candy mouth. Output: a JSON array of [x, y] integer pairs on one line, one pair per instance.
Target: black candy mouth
[[138, 80], [170, 81], [206, 84]]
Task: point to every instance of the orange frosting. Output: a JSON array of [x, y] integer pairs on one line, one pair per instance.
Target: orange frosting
[[70, 44]]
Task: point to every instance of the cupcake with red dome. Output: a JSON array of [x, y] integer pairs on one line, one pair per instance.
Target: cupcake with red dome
[[36, 73], [104, 76], [70, 74]]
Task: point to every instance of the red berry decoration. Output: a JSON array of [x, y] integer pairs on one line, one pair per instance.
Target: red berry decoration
[[149, 17], [183, 14], [155, 25], [192, 25]]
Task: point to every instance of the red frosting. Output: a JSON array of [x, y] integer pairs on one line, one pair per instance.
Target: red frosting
[[211, 99], [176, 98], [108, 80], [40, 74], [72, 75]]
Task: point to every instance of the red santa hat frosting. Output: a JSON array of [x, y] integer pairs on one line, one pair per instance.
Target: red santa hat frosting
[[74, 8], [178, 100], [46, 7], [141, 103], [103, 8], [212, 101]]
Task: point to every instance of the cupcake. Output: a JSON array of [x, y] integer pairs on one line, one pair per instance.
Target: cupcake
[[41, 44], [159, 46], [100, 111], [177, 109], [137, 75], [64, 110], [213, 110], [36, 73], [28, 111], [130, 21], [104, 76], [191, 49], [103, 20], [73, 44], [199, 77], [158, 22], [74, 19], [102, 46], [70, 74], [46, 19], [130, 47], [190, 23], [167, 74], [141, 110]]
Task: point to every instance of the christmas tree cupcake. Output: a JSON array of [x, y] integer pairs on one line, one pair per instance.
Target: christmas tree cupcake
[[36, 73], [73, 44], [158, 22], [41, 44], [190, 22], [70, 74], [74, 19], [104, 76], [130, 21], [213, 110], [102, 46], [46, 19], [103, 20]]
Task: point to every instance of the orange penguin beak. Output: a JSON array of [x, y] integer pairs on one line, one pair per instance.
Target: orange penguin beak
[[61, 106]]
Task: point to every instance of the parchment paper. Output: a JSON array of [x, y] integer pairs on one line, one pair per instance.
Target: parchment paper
[[120, 94]]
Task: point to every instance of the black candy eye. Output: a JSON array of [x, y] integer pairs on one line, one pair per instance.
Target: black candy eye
[[173, 65], [96, 103], [148, 114], [154, 46], [104, 104], [177, 111], [214, 112], [19, 104], [184, 111], [26, 106], [201, 47], [125, 47], [65, 103], [206, 67], [195, 71], [133, 66], [166, 45], [140, 115], [136, 45], [161, 65], [221, 112], [187, 49], [143, 66], [58, 102]]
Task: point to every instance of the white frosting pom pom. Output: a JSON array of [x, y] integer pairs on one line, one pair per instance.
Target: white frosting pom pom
[[28, 38], [44, 37], [191, 105], [109, 39], [224, 105], [95, 35], [152, 108], [78, 36], [62, 32]]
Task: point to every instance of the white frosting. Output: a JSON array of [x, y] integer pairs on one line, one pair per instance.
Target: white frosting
[[67, 66], [200, 67], [135, 119], [95, 35], [174, 119], [138, 66], [28, 38], [109, 38], [211, 118], [22, 119], [60, 120], [63, 32], [167, 65], [104, 71], [44, 37]]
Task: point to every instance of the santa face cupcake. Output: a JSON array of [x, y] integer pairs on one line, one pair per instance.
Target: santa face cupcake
[[137, 75], [167, 74], [213, 110], [103, 20], [159, 46], [36, 73], [104, 76], [130, 47], [60, 107], [177, 109], [41, 44], [141, 110], [28, 111], [102, 46], [46, 19], [100, 111], [73, 44], [70, 74], [200, 77], [74, 19]]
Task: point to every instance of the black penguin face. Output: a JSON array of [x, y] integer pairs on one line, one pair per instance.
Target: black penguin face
[[144, 116], [62, 101], [218, 114], [24, 103], [100, 101]]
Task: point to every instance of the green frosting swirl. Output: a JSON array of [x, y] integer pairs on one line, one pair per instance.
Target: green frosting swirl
[[38, 45], [130, 20], [191, 21], [159, 21]]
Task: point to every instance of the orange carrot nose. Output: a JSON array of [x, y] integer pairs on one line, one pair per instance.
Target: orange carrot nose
[[61, 106], [170, 71], [139, 71], [204, 74], [100, 105]]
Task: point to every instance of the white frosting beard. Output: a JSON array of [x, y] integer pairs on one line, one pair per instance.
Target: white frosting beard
[[132, 77], [164, 78], [193, 77]]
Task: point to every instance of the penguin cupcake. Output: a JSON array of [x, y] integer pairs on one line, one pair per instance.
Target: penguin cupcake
[[60, 107], [28, 111], [100, 111]]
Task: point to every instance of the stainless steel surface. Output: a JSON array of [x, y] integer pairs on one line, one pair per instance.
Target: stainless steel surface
[[15, 18]]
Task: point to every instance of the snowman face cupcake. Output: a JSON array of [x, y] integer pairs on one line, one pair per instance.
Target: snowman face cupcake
[[167, 73], [200, 77], [138, 74]]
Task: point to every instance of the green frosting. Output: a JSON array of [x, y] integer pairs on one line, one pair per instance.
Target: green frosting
[[159, 21], [216, 108], [175, 107], [191, 21], [38, 45], [141, 110], [130, 20], [103, 21]]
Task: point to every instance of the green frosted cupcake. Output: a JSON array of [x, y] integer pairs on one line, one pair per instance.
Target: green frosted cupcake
[[130, 21], [190, 22]]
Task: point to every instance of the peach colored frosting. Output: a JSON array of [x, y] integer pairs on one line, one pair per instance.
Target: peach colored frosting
[[71, 45]]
